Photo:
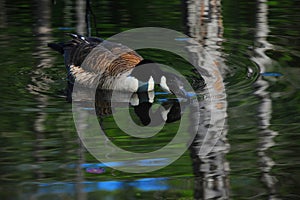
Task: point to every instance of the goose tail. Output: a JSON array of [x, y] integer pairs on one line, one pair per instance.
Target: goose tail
[[77, 40], [82, 39]]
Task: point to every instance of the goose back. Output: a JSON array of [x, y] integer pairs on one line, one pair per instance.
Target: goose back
[[111, 59]]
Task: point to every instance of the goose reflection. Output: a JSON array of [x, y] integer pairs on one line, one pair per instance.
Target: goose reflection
[[149, 112]]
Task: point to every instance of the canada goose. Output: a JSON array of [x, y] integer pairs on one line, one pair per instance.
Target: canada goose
[[113, 66]]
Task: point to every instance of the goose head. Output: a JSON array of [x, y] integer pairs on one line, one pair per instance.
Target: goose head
[[148, 71]]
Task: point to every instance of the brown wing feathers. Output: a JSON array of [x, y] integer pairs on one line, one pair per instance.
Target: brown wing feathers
[[113, 60]]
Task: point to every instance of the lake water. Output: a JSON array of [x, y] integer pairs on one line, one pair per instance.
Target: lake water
[[254, 45]]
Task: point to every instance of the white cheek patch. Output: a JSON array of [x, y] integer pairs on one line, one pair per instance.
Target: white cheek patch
[[134, 100], [151, 96], [151, 84], [163, 84], [164, 114]]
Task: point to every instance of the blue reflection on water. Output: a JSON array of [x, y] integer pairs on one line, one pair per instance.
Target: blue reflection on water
[[275, 74], [144, 184]]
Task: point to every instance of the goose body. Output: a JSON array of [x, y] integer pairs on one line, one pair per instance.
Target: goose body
[[93, 61]]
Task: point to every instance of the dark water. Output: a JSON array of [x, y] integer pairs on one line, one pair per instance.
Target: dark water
[[257, 44]]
